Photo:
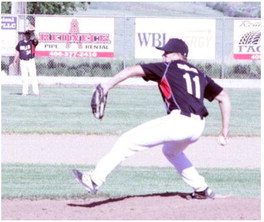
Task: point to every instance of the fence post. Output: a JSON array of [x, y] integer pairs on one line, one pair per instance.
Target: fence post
[[124, 40], [222, 74]]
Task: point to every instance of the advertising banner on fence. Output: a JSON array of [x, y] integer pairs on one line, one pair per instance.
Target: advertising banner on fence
[[9, 36], [199, 34], [247, 37], [75, 36]]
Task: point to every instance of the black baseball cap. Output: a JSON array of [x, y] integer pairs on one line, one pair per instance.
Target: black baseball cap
[[175, 45], [27, 32]]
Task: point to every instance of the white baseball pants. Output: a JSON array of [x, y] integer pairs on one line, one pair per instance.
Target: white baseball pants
[[28, 68], [174, 132]]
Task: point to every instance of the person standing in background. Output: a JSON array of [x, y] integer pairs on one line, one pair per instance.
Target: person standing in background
[[25, 51]]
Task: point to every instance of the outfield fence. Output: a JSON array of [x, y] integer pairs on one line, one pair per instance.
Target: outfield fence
[[101, 46]]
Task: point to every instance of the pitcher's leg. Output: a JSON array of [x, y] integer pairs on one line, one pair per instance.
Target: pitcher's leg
[[107, 164], [184, 167], [140, 138]]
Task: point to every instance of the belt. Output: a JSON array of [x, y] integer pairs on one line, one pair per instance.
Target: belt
[[26, 59], [191, 115]]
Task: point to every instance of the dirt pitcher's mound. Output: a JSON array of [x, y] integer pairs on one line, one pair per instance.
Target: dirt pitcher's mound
[[148, 207]]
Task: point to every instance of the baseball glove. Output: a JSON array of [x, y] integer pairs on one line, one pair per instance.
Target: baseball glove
[[30, 27], [98, 102]]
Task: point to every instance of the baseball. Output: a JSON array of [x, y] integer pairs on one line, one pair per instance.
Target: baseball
[[222, 140]]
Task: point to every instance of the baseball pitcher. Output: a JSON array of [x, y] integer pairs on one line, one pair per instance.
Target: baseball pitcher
[[183, 88]]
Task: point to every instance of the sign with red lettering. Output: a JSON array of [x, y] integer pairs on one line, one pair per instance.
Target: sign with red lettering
[[247, 36], [153, 32], [75, 37]]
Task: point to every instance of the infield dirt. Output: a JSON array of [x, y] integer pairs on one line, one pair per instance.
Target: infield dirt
[[133, 208], [241, 152]]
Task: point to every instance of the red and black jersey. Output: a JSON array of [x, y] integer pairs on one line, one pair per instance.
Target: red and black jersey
[[182, 86], [26, 49]]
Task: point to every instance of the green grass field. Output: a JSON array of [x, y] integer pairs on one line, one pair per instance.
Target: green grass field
[[67, 110], [56, 182]]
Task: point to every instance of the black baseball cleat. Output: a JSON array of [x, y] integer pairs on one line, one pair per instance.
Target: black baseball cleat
[[202, 195]]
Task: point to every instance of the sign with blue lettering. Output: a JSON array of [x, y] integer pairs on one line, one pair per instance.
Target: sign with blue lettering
[[8, 22], [9, 35]]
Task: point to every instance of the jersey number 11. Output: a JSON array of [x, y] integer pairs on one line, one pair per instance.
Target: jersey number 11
[[189, 82]]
